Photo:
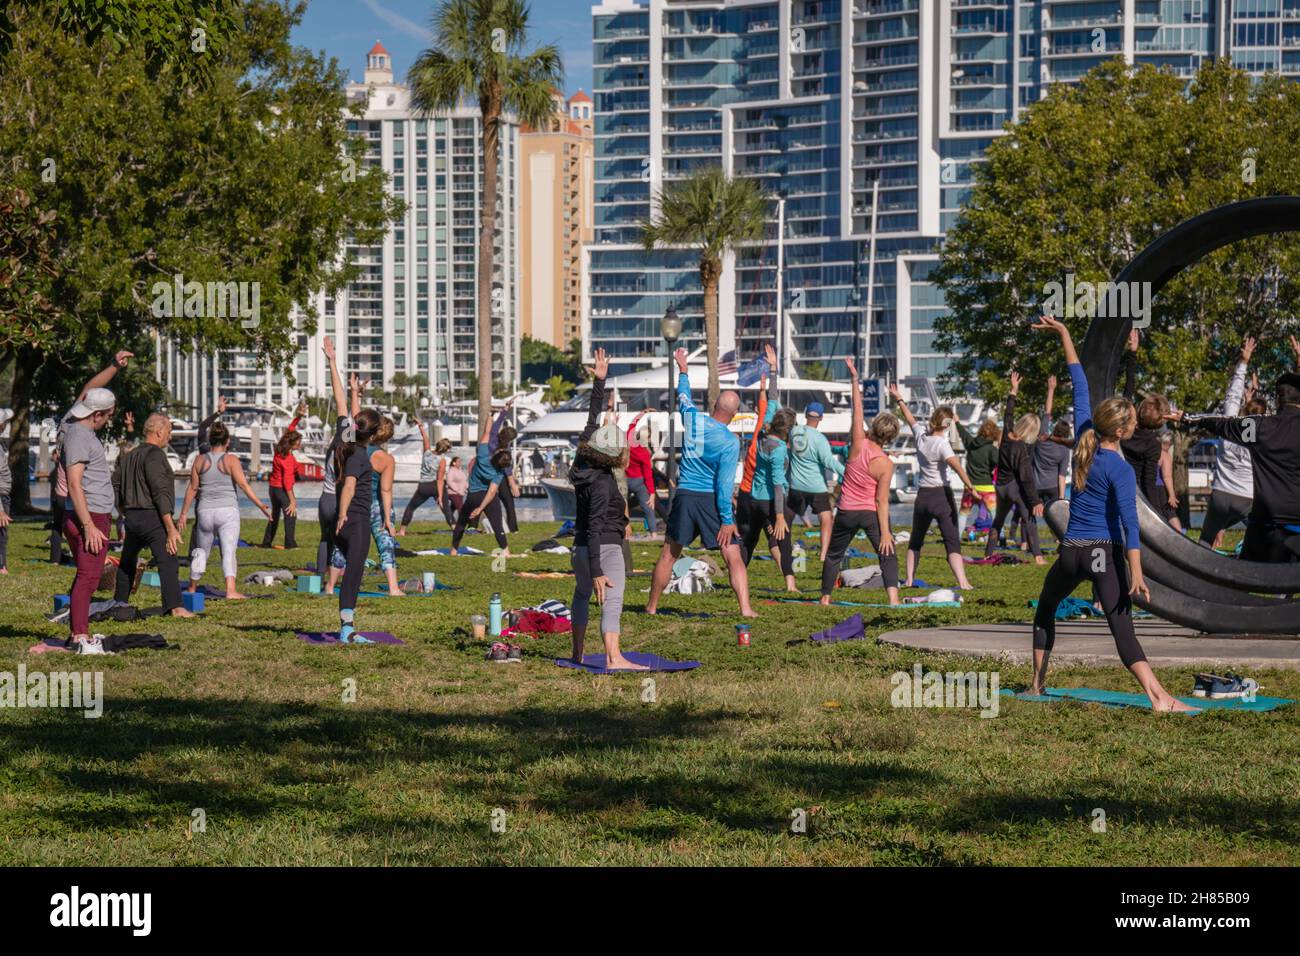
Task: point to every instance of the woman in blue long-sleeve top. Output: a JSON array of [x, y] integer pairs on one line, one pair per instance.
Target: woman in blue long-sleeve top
[[1101, 543]]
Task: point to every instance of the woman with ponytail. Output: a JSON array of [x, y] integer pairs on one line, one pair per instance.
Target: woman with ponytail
[[1101, 543], [356, 476], [934, 501]]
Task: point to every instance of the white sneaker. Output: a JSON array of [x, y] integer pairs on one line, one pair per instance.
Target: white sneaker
[[92, 645]]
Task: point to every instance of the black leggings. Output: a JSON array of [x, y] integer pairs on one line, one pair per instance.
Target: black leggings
[[1104, 565], [935, 504], [56, 529], [423, 492], [492, 512], [1223, 511], [1009, 499], [847, 525], [508, 508], [327, 513], [354, 541], [761, 516], [280, 503]]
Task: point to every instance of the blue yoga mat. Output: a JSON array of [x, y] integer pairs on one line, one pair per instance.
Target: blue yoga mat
[[1118, 698], [595, 663]]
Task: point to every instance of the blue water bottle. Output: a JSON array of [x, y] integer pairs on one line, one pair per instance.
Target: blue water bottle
[[494, 615]]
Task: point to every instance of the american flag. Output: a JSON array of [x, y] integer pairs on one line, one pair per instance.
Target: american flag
[[727, 364]]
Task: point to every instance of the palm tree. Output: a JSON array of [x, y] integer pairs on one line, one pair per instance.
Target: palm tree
[[558, 389], [713, 213], [478, 53]]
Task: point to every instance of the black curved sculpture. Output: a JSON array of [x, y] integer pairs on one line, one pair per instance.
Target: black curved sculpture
[[1192, 585]]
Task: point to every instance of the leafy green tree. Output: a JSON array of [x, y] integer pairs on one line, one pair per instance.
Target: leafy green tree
[[479, 52], [1087, 178], [816, 371], [542, 361], [180, 37], [251, 177], [713, 213]]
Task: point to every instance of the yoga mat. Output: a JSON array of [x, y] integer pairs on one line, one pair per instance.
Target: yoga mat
[[1117, 698], [595, 663], [892, 607], [464, 550], [437, 586], [319, 637], [219, 594]]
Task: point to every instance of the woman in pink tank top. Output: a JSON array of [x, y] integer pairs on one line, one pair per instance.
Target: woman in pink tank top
[[864, 497]]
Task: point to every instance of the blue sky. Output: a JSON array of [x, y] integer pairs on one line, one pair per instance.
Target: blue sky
[[347, 29]]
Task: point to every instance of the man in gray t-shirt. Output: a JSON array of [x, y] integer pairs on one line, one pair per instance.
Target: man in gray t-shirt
[[89, 502]]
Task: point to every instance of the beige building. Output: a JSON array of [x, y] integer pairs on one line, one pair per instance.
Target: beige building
[[555, 220]]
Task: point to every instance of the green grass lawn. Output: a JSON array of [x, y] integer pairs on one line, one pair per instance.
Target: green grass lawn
[[249, 725]]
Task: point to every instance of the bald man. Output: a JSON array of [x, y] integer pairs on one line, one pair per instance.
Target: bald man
[[146, 496], [702, 500]]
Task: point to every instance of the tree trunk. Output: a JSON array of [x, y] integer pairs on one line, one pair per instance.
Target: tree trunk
[[487, 223], [26, 361], [1179, 451], [710, 272]]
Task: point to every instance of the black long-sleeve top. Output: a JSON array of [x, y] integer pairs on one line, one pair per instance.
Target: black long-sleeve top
[[1015, 458], [602, 510], [1273, 442], [143, 479], [1142, 451]]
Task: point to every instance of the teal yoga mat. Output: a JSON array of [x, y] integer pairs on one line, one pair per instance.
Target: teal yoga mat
[[1117, 698]]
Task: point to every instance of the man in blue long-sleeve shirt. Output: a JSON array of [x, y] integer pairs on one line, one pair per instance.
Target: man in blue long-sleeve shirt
[[702, 501]]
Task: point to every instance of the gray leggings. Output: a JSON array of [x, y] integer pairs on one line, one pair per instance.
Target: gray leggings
[[611, 562]]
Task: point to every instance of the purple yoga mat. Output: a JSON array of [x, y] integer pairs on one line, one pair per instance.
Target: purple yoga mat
[[850, 629], [319, 637], [595, 663]]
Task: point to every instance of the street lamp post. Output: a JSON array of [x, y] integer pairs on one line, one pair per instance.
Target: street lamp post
[[670, 327]]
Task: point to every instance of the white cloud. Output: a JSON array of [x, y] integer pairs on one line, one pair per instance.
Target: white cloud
[[404, 24]]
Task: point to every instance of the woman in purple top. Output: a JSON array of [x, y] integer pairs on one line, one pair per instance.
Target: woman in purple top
[[1101, 542]]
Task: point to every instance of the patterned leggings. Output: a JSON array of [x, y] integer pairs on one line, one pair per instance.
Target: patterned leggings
[[383, 540]]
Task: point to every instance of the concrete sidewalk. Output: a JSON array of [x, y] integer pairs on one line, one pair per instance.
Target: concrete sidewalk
[[1089, 642]]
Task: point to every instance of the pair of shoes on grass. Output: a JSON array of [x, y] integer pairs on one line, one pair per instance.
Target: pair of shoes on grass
[[502, 653]]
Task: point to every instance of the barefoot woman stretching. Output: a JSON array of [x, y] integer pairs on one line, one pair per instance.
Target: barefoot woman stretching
[[600, 527], [1102, 532]]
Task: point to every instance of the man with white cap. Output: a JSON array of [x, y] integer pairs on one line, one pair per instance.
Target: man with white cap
[[6, 490], [89, 483]]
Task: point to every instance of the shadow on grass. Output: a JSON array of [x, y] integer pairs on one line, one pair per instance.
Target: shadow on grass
[[153, 758], [996, 813]]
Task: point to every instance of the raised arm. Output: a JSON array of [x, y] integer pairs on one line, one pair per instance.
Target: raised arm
[[1047, 406], [857, 429], [205, 426], [772, 405], [336, 380], [101, 378], [1078, 380], [1130, 362], [498, 422], [897, 395], [1009, 419], [358, 389], [599, 371], [1237, 387]]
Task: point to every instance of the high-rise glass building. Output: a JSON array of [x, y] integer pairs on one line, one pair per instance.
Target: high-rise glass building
[[829, 103], [412, 308]]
